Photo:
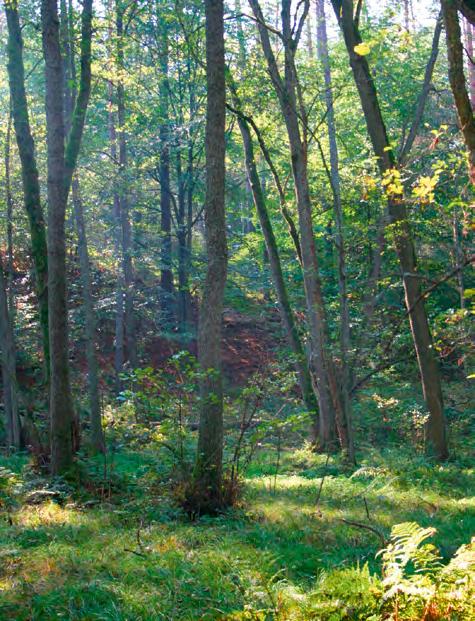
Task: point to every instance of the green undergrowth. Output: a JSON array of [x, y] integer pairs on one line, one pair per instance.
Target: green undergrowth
[[120, 550]]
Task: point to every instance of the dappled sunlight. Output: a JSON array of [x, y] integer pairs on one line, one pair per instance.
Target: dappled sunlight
[[47, 514]]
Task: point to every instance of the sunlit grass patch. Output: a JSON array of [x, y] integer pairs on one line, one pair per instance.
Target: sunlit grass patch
[[135, 557]]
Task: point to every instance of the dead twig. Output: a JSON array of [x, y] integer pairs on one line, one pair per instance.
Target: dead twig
[[372, 529]]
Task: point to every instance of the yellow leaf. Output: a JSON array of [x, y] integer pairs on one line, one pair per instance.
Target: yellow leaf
[[362, 49]]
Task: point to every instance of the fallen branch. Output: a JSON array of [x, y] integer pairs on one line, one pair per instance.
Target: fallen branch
[[366, 527]]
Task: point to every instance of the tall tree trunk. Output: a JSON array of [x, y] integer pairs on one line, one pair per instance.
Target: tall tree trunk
[[457, 80], [458, 255], [9, 203], [190, 184], [430, 375], [208, 468], [183, 289], [126, 227], [69, 64], [330, 404], [7, 346], [293, 338], [61, 165], [338, 214], [61, 403], [271, 255], [119, 340], [166, 275], [90, 325], [29, 172]]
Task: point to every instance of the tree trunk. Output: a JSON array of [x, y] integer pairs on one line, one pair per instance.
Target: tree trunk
[[470, 62], [126, 227], [166, 275], [29, 171], [90, 328], [61, 404], [9, 203], [330, 404], [428, 366], [208, 468], [183, 287], [338, 215], [7, 346], [457, 80], [61, 165], [119, 340], [293, 338], [458, 255], [69, 64]]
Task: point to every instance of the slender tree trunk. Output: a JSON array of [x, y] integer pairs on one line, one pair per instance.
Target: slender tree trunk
[[183, 291], [208, 469], [293, 338], [69, 64], [457, 80], [190, 181], [119, 340], [458, 255], [9, 203], [126, 227], [330, 403], [428, 366], [309, 41], [61, 403], [338, 215], [90, 327], [271, 255], [61, 165], [7, 346], [29, 171], [166, 276]]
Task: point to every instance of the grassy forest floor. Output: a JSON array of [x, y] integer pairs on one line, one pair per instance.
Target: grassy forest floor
[[126, 553]]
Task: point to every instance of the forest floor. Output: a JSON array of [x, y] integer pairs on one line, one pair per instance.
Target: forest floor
[[131, 555]]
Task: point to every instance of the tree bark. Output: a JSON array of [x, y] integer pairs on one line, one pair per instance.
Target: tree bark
[[458, 254], [90, 324], [322, 46], [29, 172], [436, 441], [7, 346], [183, 291], [119, 340], [61, 165], [330, 405], [293, 337], [470, 61], [61, 404], [9, 203], [457, 80], [126, 227], [208, 468], [69, 64], [166, 275]]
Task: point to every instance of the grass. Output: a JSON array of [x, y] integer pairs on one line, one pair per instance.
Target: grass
[[135, 557]]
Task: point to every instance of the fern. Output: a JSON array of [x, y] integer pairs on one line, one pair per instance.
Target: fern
[[409, 564]]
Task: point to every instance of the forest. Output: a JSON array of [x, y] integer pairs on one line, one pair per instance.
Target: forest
[[236, 310]]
